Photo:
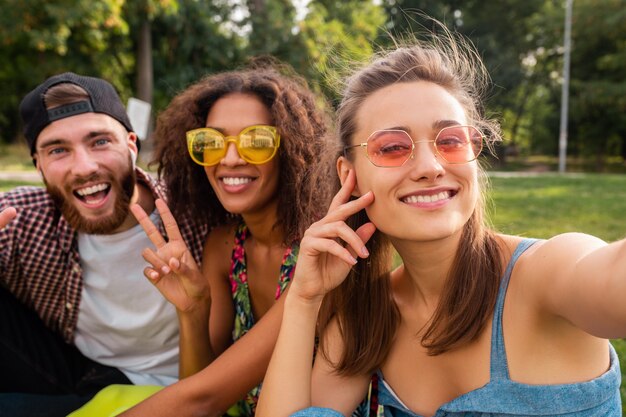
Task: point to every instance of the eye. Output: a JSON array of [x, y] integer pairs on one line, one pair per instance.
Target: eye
[[56, 151], [451, 140], [101, 142], [390, 142], [394, 147]]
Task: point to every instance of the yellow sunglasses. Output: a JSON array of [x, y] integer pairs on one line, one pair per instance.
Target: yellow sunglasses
[[255, 144]]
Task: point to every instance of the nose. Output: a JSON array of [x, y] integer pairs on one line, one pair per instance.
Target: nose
[[83, 163], [232, 157], [425, 163]]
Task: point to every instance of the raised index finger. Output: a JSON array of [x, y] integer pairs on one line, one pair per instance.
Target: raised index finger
[[151, 230], [171, 227], [343, 195]]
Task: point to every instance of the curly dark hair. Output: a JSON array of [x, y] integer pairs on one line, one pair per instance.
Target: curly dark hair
[[306, 153]]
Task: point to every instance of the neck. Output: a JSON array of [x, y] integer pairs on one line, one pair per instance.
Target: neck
[[426, 266], [263, 228]]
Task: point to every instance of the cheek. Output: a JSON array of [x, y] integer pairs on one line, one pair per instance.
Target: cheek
[[210, 174]]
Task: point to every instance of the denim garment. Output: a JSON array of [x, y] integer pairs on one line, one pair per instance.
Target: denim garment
[[503, 397]]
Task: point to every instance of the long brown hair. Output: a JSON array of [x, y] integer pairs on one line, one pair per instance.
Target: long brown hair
[[363, 305], [304, 151]]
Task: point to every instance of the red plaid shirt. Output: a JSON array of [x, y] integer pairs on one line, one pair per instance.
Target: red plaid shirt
[[39, 259]]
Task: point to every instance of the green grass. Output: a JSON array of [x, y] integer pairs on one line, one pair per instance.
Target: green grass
[[548, 204], [6, 185]]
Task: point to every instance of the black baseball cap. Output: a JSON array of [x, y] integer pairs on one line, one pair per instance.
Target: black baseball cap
[[103, 98]]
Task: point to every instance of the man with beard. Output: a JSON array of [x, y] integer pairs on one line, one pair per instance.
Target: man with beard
[[76, 312]]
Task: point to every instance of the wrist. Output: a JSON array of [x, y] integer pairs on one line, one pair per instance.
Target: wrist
[[198, 312], [303, 302]]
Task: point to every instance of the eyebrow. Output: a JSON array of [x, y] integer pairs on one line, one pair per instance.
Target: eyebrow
[[438, 125], [60, 141]]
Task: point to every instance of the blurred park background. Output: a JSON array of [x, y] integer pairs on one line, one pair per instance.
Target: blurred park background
[[152, 49]]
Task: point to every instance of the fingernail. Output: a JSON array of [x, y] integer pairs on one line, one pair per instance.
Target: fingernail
[[154, 275], [353, 261], [364, 251], [166, 270]]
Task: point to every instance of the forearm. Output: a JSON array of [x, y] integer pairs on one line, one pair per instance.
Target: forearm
[[287, 383], [186, 398], [196, 352]]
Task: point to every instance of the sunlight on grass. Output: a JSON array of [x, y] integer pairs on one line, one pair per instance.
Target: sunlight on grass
[[546, 205]]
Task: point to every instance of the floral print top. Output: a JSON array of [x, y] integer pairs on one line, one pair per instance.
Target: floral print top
[[244, 319]]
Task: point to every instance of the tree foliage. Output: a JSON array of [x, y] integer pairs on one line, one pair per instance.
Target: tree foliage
[[520, 41]]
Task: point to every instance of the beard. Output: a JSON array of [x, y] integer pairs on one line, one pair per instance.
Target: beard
[[122, 188]]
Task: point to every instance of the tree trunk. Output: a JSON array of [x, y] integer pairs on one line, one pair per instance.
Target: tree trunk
[[144, 63], [145, 80]]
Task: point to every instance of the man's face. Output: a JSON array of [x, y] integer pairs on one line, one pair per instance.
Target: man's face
[[86, 164]]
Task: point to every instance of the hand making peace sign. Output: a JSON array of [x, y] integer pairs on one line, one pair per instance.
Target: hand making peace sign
[[174, 271]]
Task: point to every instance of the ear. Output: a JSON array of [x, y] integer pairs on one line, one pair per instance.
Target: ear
[[132, 146], [38, 165], [132, 142], [36, 162], [343, 169]]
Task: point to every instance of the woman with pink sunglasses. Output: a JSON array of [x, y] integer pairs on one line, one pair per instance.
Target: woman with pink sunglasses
[[473, 322]]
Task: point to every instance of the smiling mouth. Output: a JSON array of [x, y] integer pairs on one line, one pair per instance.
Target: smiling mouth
[[237, 180], [413, 199], [93, 194]]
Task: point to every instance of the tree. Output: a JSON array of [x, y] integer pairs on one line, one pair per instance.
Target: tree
[[597, 120], [41, 38], [338, 35]]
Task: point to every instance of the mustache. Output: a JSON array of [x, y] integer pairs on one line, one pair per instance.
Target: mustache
[[95, 177]]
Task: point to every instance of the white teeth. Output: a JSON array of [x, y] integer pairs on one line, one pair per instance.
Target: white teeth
[[236, 180], [91, 190], [427, 198]]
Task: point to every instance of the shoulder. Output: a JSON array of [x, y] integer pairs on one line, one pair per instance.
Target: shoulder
[[37, 220], [33, 204], [546, 271], [26, 197], [557, 254]]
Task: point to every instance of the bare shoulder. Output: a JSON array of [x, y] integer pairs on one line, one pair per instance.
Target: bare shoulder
[[558, 253], [546, 269]]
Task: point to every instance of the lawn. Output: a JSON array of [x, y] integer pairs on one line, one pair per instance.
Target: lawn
[[547, 204]]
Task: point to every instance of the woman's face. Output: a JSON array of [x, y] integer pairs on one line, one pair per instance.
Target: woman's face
[[242, 188], [426, 198]]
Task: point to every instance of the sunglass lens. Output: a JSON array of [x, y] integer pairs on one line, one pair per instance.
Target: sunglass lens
[[389, 148], [207, 147], [459, 144], [258, 145]]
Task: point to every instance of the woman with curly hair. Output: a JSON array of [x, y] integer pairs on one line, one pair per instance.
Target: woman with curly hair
[[240, 150]]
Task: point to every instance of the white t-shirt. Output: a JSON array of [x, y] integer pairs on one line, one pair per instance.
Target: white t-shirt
[[123, 320]]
